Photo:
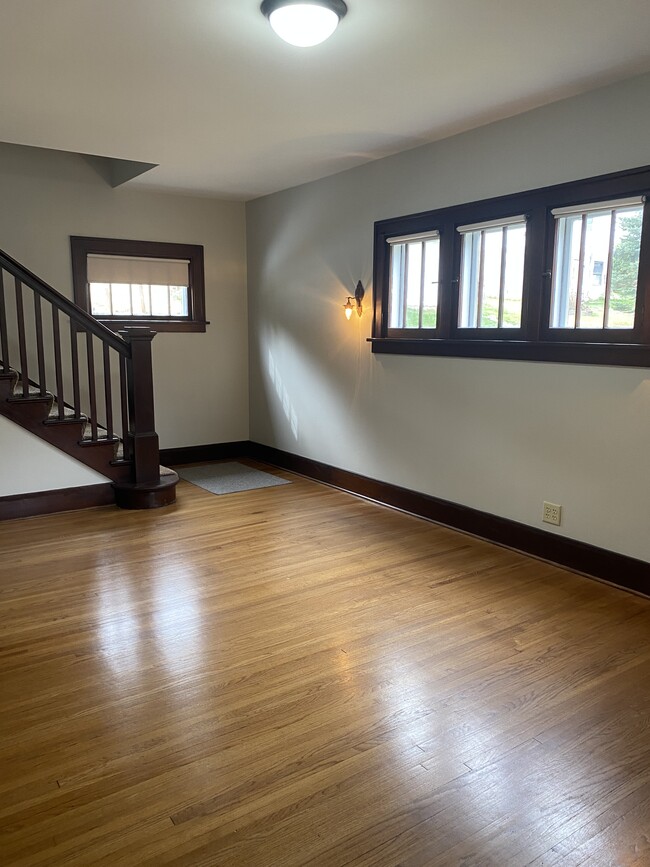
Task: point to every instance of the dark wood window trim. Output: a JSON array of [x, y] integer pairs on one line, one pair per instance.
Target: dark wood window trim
[[195, 322], [535, 340]]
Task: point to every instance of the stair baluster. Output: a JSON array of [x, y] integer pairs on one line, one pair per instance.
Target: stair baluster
[[92, 392], [58, 367], [20, 316], [108, 392], [4, 339], [40, 353]]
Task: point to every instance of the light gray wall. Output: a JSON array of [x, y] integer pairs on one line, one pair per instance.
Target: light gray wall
[[499, 436], [201, 380]]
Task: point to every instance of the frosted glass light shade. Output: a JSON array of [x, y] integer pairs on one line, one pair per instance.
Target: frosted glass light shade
[[304, 24]]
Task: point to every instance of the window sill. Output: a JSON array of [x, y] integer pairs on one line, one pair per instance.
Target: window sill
[[619, 354], [157, 325]]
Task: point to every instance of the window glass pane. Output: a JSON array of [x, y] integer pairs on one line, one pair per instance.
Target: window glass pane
[[594, 270], [489, 308], [397, 266], [141, 300], [589, 291], [121, 295], [413, 280], [513, 287], [160, 300], [178, 300], [469, 280], [491, 280], [138, 300], [100, 299], [431, 280], [565, 271], [625, 268], [414, 277]]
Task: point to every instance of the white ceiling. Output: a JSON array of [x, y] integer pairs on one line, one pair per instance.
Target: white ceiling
[[205, 89]]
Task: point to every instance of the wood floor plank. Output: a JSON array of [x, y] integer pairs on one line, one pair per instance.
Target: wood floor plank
[[294, 676]]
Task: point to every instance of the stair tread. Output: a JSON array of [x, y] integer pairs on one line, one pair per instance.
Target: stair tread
[[34, 394], [101, 437], [68, 412]]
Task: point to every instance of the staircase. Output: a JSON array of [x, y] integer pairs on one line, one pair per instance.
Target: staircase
[[92, 391]]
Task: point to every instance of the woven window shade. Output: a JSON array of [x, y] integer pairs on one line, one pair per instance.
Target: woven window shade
[[138, 270], [519, 220], [613, 205]]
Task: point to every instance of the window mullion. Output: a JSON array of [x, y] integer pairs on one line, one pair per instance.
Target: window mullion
[[449, 253], [535, 285]]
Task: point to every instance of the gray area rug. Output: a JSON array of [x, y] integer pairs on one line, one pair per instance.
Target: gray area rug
[[229, 478]]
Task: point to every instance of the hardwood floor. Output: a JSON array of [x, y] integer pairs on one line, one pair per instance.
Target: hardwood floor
[[293, 676]]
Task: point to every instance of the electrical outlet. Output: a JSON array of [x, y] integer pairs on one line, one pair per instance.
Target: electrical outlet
[[552, 514]]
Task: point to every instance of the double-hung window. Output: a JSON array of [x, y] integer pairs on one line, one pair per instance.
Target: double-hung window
[[557, 274]]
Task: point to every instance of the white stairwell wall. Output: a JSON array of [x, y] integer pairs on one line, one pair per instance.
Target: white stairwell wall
[[30, 464]]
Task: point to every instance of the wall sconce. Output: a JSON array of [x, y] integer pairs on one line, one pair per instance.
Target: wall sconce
[[357, 298]]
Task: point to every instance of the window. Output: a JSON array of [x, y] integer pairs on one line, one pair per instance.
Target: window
[[415, 265], [556, 274], [125, 283], [492, 273], [596, 267]]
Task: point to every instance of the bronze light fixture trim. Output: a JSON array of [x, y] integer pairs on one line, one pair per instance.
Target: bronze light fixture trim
[[359, 292], [304, 23]]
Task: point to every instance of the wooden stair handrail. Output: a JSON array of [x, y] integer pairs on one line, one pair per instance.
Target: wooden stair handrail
[[82, 319]]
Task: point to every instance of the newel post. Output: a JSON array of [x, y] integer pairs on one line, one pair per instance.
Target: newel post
[[141, 440]]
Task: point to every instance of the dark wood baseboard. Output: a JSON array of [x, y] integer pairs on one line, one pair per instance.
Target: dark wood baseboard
[[199, 454], [600, 563], [62, 500], [618, 569]]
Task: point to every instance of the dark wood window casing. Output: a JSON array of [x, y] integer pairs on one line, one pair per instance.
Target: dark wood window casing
[[536, 340], [195, 321]]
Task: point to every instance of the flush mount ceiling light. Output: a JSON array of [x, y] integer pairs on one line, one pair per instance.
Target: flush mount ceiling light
[[304, 22]]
